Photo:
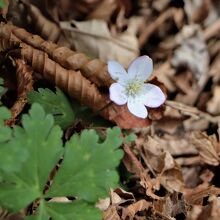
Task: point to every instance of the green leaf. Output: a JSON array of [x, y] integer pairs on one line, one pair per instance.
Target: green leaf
[[87, 115], [78, 210], [88, 169], [2, 3], [43, 141], [12, 154], [56, 104], [129, 138], [1, 86]]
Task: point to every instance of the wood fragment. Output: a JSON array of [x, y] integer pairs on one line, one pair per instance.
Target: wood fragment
[[192, 111]]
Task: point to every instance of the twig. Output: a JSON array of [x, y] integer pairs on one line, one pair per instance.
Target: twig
[[192, 111], [144, 36], [212, 30], [111, 39]]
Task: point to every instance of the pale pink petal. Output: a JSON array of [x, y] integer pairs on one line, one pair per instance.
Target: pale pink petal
[[117, 94], [116, 71], [137, 108], [152, 96], [141, 68]]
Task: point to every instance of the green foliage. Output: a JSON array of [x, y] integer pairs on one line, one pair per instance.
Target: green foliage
[[56, 104], [87, 115], [43, 142], [2, 3], [87, 169], [12, 153], [1, 87]]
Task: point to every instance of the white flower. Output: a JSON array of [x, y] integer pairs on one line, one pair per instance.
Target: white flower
[[131, 89]]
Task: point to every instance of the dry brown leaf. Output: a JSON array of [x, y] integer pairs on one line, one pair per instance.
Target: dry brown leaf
[[95, 70], [211, 211], [176, 145], [131, 162], [194, 212], [206, 146], [154, 26], [94, 39], [195, 196], [171, 206], [192, 50], [103, 204], [130, 211], [201, 12], [134, 166], [24, 85], [104, 10], [77, 9], [162, 165], [123, 195], [207, 176], [46, 28], [111, 214], [213, 105]]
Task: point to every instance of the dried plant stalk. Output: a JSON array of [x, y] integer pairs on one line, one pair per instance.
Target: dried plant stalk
[[45, 27], [94, 70], [69, 80], [7, 39], [24, 85]]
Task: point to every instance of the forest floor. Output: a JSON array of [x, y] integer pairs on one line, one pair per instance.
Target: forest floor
[[170, 171]]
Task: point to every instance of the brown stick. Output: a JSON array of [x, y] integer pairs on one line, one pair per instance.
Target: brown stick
[[150, 29], [212, 30]]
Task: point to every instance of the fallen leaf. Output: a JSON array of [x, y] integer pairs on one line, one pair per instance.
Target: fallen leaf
[[213, 105], [24, 85], [111, 214], [162, 165], [103, 204], [206, 146], [130, 211], [94, 39], [192, 50], [196, 195]]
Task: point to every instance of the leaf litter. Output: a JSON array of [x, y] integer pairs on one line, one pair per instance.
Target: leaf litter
[[170, 171]]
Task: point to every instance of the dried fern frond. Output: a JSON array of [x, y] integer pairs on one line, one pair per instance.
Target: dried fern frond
[[7, 39], [46, 28], [24, 85], [95, 70]]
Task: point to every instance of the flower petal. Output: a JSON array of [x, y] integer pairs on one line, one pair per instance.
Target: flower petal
[[116, 71], [137, 108], [141, 68], [117, 94], [152, 96]]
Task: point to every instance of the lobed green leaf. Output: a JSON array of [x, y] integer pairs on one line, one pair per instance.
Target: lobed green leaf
[[88, 168], [43, 142], [56, 104]]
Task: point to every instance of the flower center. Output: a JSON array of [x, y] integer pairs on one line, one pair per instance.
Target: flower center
[[133, 88]]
